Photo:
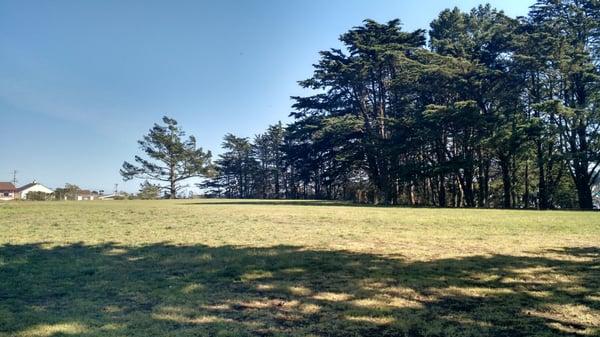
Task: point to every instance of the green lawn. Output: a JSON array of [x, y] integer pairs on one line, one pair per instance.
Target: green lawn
[[266, 268]]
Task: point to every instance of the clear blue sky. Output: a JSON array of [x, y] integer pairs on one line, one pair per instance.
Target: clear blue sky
[[81, 81]]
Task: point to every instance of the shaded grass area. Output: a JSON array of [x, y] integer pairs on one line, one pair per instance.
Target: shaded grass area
[[294, 271], [279, 202], [170, 290]]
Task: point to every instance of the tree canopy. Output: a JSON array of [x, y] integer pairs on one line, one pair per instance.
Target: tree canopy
[[171, 158], [483, 110]]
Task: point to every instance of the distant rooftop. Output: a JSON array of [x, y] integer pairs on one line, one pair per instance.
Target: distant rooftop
[[6, 186]]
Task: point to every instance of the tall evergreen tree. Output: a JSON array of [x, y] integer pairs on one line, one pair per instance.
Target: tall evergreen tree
[[357, 84], [573, 29], [494, 112], [171, 157]]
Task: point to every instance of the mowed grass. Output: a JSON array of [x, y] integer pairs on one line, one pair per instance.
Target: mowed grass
[[268, 268]]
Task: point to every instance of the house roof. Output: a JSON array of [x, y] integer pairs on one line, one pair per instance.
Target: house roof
[[85, 193], [5, 186], [31, 184], [24, 187]]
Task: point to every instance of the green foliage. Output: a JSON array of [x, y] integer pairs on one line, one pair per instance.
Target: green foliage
[[171, 158], [69, 192], [495, 112], [148, 191], [39, 196], [251, 168]]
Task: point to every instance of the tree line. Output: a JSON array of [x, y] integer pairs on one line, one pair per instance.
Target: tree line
[[481, 110]]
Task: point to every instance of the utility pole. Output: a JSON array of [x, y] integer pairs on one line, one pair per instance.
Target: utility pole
[[116, 189], [14, 172]]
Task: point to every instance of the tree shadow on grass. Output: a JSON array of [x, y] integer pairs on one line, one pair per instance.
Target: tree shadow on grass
[[173, 290], [337, 203], [280, 202], [297, 202]]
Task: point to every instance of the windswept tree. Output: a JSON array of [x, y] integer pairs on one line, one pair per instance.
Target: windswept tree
[[172, 158]]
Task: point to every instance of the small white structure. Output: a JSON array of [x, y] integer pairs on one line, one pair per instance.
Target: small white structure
[[31, 187], [87, 195]]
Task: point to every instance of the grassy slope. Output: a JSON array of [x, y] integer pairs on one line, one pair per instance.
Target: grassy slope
[[218, 268]]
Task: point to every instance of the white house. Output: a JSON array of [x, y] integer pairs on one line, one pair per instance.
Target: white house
[[31, 187], [7, 191], [87, 195]]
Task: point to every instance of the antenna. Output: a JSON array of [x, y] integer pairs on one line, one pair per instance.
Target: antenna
[[14, 172]]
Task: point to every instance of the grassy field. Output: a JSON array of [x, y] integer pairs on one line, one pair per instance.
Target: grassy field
[[262, 268]]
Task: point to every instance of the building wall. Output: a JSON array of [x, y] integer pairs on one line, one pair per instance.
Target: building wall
[[86, 197], [35, 188], [9, 196]]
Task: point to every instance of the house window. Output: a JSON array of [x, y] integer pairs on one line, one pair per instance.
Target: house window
[[6, 194]]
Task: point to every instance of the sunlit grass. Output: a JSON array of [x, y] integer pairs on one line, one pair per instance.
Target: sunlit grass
[[254, 268]]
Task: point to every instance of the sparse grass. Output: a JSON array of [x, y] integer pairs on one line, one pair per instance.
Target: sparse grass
[[261, 268]]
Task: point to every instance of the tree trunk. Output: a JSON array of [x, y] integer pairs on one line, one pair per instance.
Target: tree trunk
[[442, 191], [526, 194], [466, 188], [277, 182], [480, 179], [172, 182], [413, 197], [584, 192], [173, 190], [543, 189], [513, 179], [506, 182], [460, 195], [486, 181], [582, 176], [584, 195]]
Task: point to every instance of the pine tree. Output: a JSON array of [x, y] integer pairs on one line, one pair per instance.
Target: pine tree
[[171, 158]]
